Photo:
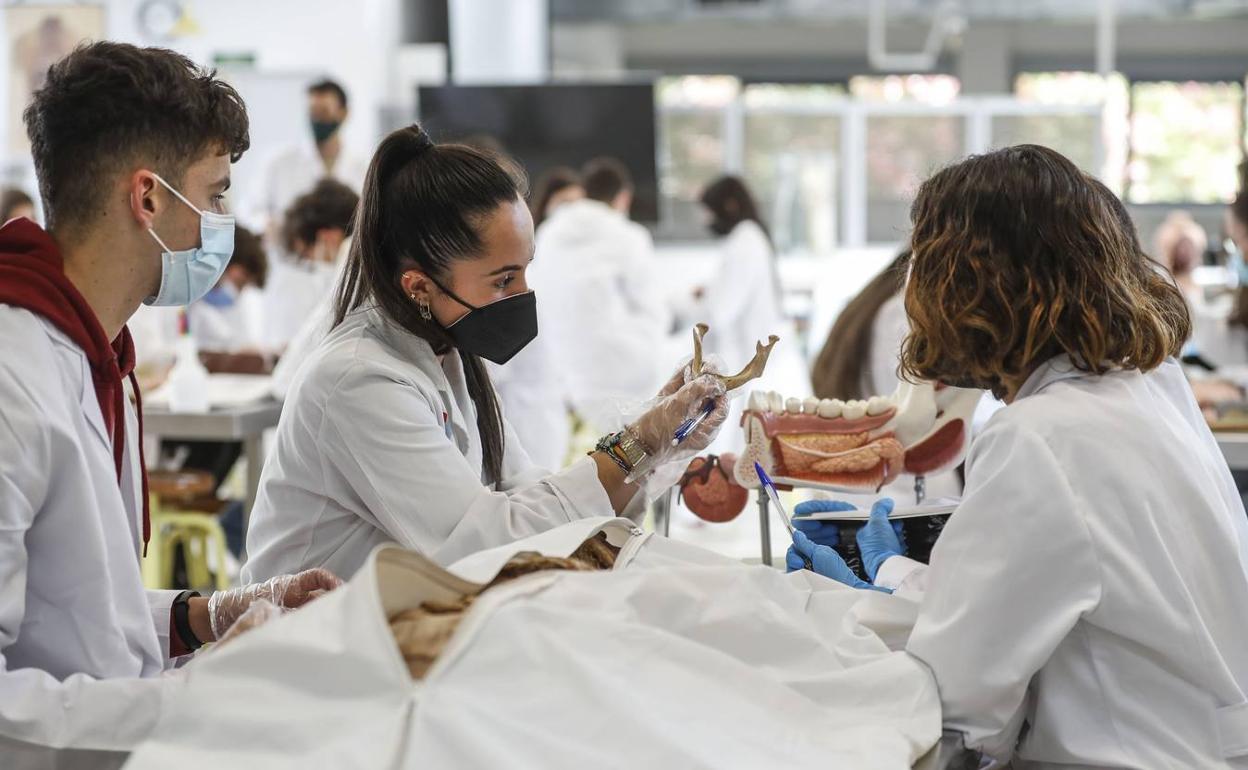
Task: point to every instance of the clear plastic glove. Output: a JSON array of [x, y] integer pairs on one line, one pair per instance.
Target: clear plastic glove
[[657, 427], [684, 374], [824, 561], [820, 532], [879, 538], [285, 592], [260, 612]]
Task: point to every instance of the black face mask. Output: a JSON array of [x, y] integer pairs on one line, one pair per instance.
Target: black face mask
[[719, 226], [497, 331], [322, 130]]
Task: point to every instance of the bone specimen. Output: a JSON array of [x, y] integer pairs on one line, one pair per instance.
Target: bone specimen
[[423, 632], [856, 445], [752, 371]]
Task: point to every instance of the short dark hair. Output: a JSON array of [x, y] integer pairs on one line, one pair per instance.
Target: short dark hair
[[553, 181], [107, 106], [328, 86], [1018, 256], [604, 178], [249, 254], [11, 198], [331, 204]]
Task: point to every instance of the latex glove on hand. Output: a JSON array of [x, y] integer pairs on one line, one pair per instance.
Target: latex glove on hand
[[656, 428], [286, 592], [658, 425], [820, 532], [685, 375], [879, 538], [824, 561], [260, 612]]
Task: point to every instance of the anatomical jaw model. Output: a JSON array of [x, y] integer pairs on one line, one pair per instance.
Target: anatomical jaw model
[[856, 445]]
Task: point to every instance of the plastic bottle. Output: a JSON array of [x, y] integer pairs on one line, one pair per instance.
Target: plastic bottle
[[188, 380]]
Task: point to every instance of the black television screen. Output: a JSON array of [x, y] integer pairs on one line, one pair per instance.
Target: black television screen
[[555, 125]]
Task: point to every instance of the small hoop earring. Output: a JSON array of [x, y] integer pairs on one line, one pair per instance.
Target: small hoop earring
[[423, 307]]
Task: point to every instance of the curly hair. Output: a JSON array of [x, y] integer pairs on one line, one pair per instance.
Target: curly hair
[[1017, 257], [327, 206], [110, 106]]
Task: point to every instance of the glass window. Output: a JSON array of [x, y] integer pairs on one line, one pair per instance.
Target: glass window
[[691, 146], [792, 162], [1186, 140], [902, 151], [1073, 135], [924, 89]]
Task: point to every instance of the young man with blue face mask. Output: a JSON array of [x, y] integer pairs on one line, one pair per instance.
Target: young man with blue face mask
[[132, 148]]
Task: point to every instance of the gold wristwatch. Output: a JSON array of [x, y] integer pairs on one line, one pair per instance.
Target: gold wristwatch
[[626, 450]]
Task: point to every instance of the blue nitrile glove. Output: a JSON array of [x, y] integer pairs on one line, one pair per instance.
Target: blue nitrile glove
[[879, 538], [820, 532], [824, 561]]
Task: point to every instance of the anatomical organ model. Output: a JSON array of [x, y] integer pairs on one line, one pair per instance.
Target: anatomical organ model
[[856, 445]]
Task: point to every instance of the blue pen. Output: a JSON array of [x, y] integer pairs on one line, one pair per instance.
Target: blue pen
[[691, 424], [770, 488]]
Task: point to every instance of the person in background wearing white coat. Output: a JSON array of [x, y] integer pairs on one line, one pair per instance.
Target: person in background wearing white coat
[[603, 303], [132, 148], [531, 387], [742, 301], [317, 230], [1087, 602], [392, 431], [224, 320], [322, 154]]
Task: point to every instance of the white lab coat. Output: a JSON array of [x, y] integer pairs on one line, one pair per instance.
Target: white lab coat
[[82, 644], [293, 171], [229, 328], [378, 443], [1094, 581], [888, 330], [741, 303], [676, 658], [295, 291], [532, 394], [596, 279], [312, 330]]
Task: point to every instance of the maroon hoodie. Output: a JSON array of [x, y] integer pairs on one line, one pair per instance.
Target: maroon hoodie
[[32, 277]]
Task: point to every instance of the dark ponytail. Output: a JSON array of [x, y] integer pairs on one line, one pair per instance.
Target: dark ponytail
[[420, 209]]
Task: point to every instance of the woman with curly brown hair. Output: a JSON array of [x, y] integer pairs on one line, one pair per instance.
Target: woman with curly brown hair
[[1087, 604]]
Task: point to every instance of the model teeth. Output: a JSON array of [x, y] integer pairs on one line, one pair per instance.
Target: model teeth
[[758, 401], [775, 402], [810, 406], [830, 408], [877, 405], [854, 410], [793, 406]]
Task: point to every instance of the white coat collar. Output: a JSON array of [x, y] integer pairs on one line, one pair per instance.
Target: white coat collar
[[1054, 370]]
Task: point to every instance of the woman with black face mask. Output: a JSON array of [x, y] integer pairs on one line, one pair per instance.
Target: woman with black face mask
[[392, 431], [741, 301]]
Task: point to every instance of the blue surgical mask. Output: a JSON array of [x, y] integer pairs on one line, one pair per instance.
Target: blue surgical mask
[[189, 274]]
